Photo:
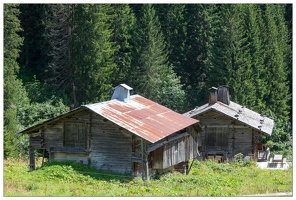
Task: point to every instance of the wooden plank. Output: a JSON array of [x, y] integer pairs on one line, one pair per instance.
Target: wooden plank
[[157, 162], [111, 149], [164, 141]]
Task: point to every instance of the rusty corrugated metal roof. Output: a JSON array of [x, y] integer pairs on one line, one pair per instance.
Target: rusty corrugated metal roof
[[143, 117]]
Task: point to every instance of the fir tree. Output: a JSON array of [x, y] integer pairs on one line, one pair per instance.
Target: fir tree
[[152, 75], [173, 24], [123, 26], [34, 53], [277, 59], [58, 33], [239, 66], [231, 58], [92, 69], [253, 27], [12, 44], [199, 40]]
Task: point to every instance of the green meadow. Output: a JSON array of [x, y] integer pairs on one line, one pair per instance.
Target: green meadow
[[204, 179]]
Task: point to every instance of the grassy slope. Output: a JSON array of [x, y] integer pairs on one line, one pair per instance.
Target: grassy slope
[[205, 179]]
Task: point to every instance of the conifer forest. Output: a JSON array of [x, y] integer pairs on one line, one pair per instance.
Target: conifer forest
[[60, 56]]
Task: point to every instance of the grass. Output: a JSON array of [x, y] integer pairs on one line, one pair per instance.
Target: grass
[[205, 179]]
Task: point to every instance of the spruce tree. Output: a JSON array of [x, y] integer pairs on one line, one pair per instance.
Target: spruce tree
[[123, 26], [33, 57], [277, 59], [200, 27], [231, 58], [12, 44], [152, 75], [58, 32], [288, 19], [241, 73], [92, 69], [253, 27], [173, 24]]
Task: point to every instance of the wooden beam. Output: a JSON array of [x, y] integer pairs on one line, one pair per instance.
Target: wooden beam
[[227, 126]]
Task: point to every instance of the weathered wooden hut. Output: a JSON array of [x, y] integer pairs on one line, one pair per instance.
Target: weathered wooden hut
[[230, 128], [128, 134]]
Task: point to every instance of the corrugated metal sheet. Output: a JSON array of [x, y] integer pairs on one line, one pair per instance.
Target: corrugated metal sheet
[[143, 117], [238, 112]]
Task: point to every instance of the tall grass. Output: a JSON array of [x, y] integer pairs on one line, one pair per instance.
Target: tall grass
[[205, 179]]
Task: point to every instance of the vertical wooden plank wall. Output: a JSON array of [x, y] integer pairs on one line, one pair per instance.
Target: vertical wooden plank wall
[[221, 129], [111, 147], [180, 150], [242, 141]]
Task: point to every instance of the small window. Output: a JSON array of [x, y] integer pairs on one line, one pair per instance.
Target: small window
[[75, 135]]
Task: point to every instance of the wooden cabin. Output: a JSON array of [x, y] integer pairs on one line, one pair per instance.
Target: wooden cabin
[[128, 134], [230, 128]]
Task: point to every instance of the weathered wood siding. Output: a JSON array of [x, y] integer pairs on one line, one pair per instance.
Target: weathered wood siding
[[53, 136], [242, 141], [54, 139], [157, 158], [111, 147], [35, 142], [224, 135], [177, 151], [108, 147]]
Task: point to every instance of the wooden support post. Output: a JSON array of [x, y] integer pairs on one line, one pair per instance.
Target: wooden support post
[[145, 167], [32, 158], [142, 155], [43, 154], [190, 166]]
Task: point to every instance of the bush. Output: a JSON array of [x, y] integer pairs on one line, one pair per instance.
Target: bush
[[30, 113], [281, 140]]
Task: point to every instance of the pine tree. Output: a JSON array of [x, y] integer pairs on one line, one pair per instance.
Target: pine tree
[[217, 71], [174, 27], [45, 53], [288, 19], [253, 27], [152, 75], [277, 59], [231, 57], [12, 44], [92, 69], [240, 68], [58, 29], [199, 36], [33, 57], [123, 27], [173, 24]]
